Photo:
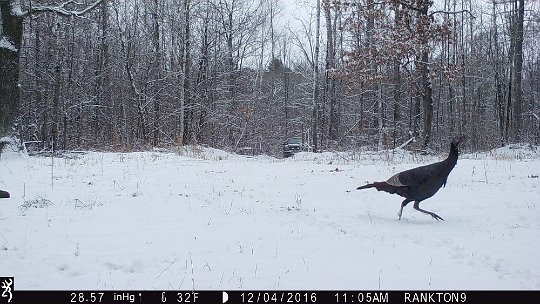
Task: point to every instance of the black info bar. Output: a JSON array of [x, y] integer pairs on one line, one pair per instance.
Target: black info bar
[[258, 296]]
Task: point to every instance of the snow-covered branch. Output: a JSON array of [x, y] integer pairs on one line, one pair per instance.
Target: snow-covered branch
[[63, 9], [351, 4], [15, 7], [453, 13], [407, 142], [5, 43]]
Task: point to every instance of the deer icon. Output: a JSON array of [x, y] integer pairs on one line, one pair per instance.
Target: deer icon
[[7, 290]]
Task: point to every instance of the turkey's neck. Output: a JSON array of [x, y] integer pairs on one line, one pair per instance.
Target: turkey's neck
[[452, 156]]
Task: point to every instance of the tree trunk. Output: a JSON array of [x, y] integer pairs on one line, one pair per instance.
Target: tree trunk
[[156, 39], [10, 45], [202, 83], [427, 99], [509, 123], [315, 112], [499, 96], [187, 111], [396, 88], [396, 134], [330, 80], [56, 103], [426, 90], [518, 69], [104, 79]]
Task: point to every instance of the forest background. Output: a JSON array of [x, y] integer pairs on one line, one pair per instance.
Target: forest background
[[136, 74]]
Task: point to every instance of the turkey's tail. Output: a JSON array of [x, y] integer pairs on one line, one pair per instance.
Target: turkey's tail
[[4, 194], [366, 186], [380, 186]]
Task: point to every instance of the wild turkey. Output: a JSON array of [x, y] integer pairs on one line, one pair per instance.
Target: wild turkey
[[421, 183], [4, 194]]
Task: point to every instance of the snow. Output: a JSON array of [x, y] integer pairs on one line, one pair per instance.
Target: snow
[[5, 43], [16, 9], [8, 140], [207, 219]]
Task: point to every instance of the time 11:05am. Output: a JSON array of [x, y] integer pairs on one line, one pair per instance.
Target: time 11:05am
[[362, 297]]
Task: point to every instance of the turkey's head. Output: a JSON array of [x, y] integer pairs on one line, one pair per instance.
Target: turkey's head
[[458, 141]]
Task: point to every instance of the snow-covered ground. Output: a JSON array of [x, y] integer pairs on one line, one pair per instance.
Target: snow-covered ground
[[206, 219]]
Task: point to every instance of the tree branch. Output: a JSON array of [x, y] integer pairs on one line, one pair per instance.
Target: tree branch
[[61, 9], [453, 13]]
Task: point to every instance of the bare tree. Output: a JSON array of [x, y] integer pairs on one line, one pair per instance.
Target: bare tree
[[135, 74], [11, 33]]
